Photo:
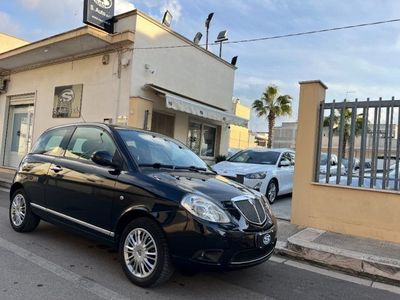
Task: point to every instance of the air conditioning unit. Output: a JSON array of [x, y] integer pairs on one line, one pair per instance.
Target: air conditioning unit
[[3, 85]]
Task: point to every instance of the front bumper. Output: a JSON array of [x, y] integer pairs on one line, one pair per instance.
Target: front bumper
[[215, 246]]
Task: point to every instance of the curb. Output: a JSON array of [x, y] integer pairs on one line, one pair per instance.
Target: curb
[[301, 246]]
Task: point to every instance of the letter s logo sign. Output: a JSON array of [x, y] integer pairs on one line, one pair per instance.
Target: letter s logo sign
[[67, 95]]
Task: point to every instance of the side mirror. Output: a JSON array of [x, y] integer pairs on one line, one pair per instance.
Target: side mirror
[[103, 158], [284, 163]]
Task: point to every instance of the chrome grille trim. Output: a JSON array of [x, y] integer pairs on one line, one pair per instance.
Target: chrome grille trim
[[251, 200]]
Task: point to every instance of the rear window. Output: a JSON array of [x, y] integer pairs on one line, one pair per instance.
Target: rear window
[[50, 142]]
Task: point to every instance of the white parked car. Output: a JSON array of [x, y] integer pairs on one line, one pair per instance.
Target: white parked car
[[269, 171]]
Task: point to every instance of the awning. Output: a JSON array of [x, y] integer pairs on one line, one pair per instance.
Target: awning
[[179, 103], [75, 43]]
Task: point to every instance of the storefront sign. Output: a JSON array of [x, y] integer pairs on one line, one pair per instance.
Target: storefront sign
[[100, 14], [67, 101]]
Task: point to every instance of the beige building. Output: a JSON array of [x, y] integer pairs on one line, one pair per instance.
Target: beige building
[[8, 42], [239, 136], [124, 78]]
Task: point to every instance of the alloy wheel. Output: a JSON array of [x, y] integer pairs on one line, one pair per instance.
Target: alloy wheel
[[271, 193], [140, 253], [18, 210]]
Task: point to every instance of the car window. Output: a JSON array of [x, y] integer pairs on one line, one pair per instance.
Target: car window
[[256, 157], [50, 142], [148, 149], [87, 140], [286, 157]]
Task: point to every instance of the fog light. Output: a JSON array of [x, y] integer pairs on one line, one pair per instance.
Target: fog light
[[266, 239]]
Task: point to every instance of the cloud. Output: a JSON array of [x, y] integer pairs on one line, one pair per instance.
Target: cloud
[[8, 25], [122, 6]]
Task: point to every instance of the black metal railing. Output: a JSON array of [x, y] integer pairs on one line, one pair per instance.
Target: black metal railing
[[359, 144]]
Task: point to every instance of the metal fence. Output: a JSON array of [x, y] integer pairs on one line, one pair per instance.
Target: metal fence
[[359, 144]]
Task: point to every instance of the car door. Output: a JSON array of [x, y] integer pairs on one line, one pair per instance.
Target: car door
[[285, 173], [292, 166], [79, 190], [33, 171]]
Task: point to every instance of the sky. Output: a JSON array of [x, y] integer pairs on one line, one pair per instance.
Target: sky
[[356, 63]]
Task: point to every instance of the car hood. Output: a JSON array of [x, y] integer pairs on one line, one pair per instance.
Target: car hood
[[227, 168], [213, 186]]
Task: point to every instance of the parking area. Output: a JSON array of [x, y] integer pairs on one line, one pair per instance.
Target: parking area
[[282, 207]]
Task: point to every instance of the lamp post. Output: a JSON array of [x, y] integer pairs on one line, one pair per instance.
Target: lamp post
[[210, 16], [222, 37]]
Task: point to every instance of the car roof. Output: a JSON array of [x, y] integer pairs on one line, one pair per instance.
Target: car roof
[[263, 149], [110, 126]]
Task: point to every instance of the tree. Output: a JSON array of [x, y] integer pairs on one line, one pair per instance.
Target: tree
[[272, 105], [347, 126]]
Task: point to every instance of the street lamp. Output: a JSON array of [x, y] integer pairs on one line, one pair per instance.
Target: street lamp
[[222, 37], [210, 16], [167, 19], [197, 38]]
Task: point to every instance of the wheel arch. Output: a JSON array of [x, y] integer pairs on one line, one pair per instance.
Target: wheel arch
[[128, 216], [15, 186]]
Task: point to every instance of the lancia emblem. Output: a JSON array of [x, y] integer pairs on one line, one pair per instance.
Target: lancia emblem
[[105, 4]]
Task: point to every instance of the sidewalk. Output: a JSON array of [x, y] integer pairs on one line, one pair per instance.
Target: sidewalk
[[6, 177], [367, 257]]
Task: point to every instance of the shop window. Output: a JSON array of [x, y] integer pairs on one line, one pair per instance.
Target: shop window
[[201, 139]]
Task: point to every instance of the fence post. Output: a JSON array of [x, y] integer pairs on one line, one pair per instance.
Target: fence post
[[312, 93]]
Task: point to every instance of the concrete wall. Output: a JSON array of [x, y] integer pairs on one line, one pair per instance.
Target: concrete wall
[[363, 212], [8, 42], [102, 90], [189, 71]]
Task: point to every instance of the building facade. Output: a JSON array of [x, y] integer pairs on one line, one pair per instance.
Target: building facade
[[239, 137], [130, 77], [284, 136]]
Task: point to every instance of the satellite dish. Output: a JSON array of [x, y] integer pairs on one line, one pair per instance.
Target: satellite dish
[[197, 38], [222, 36], [234, 60]]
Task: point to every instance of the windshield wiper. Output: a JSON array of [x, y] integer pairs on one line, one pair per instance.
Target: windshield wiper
[[191, 168], [158, 166]]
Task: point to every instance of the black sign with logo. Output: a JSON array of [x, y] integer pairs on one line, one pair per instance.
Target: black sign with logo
[[67, 101], [100, 14]]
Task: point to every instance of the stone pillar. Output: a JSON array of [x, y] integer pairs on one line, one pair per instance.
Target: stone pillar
[[311, 95]]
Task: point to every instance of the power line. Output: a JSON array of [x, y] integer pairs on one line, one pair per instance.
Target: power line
[[277, 36]]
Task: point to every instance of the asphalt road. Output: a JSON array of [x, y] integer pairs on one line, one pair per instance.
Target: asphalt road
[[53, 264]]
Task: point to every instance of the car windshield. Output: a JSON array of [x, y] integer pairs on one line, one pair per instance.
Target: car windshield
[[151, 150], [256, 157]]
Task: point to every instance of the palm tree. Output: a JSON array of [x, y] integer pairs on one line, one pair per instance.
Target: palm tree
[[347, 126], [272, 105]]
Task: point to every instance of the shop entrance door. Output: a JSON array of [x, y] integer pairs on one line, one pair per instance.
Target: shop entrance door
[[19, 134]]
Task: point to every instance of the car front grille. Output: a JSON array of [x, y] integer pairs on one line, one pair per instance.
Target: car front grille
[[251, 209]]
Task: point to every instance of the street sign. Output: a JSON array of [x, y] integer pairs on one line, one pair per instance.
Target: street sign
[[100, 14]]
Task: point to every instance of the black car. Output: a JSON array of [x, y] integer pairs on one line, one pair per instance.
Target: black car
[[145, 193]]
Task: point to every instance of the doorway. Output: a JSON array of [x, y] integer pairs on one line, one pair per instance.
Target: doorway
[[19, 133]]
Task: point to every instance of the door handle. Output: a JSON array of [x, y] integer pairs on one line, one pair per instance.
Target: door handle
[[56, 169]]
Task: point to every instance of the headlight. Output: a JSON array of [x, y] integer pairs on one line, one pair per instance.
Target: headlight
[[259, 175], [204, 209]]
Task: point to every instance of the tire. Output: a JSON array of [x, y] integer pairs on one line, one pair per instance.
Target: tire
[[152, 270], [272, 191], [22, 219]]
